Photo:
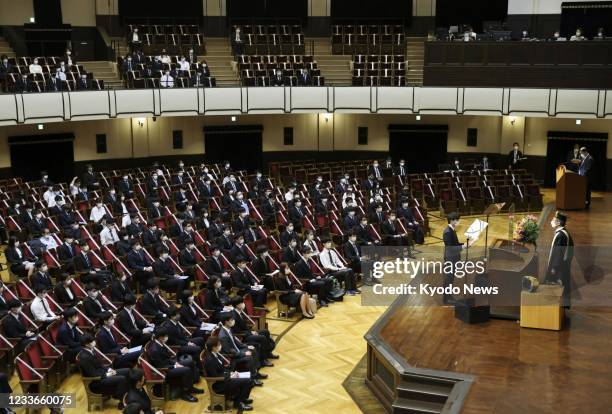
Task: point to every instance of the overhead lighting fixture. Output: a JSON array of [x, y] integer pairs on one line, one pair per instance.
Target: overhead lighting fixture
[[140, 122], [32, 20], [233, 119], [578, 121], [41, 126], [418, 117]]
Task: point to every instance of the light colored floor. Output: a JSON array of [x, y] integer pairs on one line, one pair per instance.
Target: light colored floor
[[316, 355]]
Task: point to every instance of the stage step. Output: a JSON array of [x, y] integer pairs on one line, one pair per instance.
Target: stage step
[[409, 406], [431, 392]]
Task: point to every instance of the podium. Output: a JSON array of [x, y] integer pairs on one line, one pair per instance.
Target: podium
[[543, 309], [571, 189]]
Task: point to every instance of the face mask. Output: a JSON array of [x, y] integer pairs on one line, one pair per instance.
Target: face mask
[[39, 216], [375, 165], [5, 61], [69, 282], [94, 294], [68, 53], [516, 148], [36, 62], [553, 224], [164, 256]]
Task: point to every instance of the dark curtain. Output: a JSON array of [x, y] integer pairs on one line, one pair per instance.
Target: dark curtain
[[275, 9], [48, 13], [473, 12], [588, 16], [161, 9], [28, 159], [368, 9], [423, 148], [241, 146], [560, 143]]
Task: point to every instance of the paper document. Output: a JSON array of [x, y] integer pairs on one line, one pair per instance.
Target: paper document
[[135, 349], [244, 375], [473, 232], [182, 277], [207, 326]]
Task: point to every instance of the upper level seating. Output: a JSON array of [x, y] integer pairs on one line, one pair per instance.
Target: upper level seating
[[175, 38], [375, 70], [259, 70], [37, 82], [368, 39], [147, 75], [272, 39]]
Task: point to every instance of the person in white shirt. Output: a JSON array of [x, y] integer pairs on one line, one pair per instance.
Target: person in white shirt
[[290, 195], [109, 235], [68, 57], [166, 81], [184, 65], [35, 67], [578, 37], [238, 41], [334, 267], [165, 58], [40, 306], [49, 195], [97, 212], [48, 240], [135, 39], [469, 35], [310, 242], [74, 184]]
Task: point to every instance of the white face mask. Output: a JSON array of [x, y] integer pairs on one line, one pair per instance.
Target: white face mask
[[553, 223]]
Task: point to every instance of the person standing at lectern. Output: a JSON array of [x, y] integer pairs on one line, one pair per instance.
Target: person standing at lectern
[[452, 252], [515, 157], [585, 169], [560, 257]]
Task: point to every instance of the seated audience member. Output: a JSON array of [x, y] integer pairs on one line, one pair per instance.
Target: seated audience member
[[304, 78], [600, 34], [216, 298], [23, 84], [261, 268], [578, 37], [112, 382], [291, 254], [69, 335], [35, 67], [166, 81], [232, 386], [68, 58], [278, 79], [57, 81], [405, 212], [352, 252], [244, 356], [120, 288], [169, 280], [108, 235], [106, 340], [139, 262], [40, 308], [180, 371], [13, 326], [98, 211], [246, 283], [92, 304], [333, 266], [83, 83], [290, 296], [63, 292], [89, 273], [41, 276], [137, 397], [16, 260], [152, 304], [180, 336], [5, 68], [136, 328], [124, 245], [314, 284], [3, 302]]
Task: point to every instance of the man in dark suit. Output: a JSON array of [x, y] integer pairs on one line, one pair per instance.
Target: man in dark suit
[[288, 234], [37, 225], [83, 83], [214, 267], [92, 304], [317, 285], [350, 221], [139, 263], [67, 217], [296, 215], [586, 170], [400, 170], [138, 330], [352, 252], [179, 336], [290, 253], [5, 68], [377, 217], [242, 222], [560, 258], [515, 157], [84, 266], [178, 375], [169, 280], [261, 339], [137, 396], [120, 288], [69, 335], [239, 250], [232, 386], [224, 242], [90, 179], [107, 342], [152, 304], [375, 171], [23, 84], [126, 187], [3, 302], [14, 326], [242, 355], [452, 252], [41, 276], [405, 212], [112, 382], [244, 281], [304, 78]]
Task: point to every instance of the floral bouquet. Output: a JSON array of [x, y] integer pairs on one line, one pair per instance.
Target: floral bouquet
[[527, 230]]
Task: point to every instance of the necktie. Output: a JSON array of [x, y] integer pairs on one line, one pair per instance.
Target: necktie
[[74, 332], [331, 261], [86, 259], [44, 304], [232, 339]]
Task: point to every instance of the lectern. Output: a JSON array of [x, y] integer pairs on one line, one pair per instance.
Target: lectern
[[571, 189]]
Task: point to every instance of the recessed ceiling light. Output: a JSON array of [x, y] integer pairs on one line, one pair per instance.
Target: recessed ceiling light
[[418, 117], [41, 126], [233, 119], [578, 121]]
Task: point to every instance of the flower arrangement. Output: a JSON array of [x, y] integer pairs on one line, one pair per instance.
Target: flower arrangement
[[527, 230]]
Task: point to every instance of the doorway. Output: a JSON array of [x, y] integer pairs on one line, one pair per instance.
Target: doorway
[[424, 147], [53, 153], [241, 145]]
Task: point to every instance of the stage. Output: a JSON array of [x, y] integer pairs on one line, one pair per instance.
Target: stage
[[498, 367]]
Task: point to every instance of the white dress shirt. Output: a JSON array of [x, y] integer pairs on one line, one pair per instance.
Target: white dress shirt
[[41, 310], [108, 236], [166, 81], [185, 66], [35, 68], [330, 260], [97, 213], [49, 242]]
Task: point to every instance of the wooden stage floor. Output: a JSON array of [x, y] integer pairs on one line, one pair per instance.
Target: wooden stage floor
[[524, 370]]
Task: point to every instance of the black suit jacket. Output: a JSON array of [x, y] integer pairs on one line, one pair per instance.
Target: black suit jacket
[[92, 309], [91, 365], [215, 368], [302, 270], [13, 328], [81, 265], [119, 290], [127, 327], [140, 397], [160, 356], [213, 268], [290, 255], [70, 338], [189, 317], [452, 246], [151, 305], [107, 343], [349, 252], [176, 334], [519, 154]]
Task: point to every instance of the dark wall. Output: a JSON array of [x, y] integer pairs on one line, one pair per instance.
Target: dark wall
[[366, 9], [161, 8], [48, 13], [541, 26], [472, 12], [246, 9]]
